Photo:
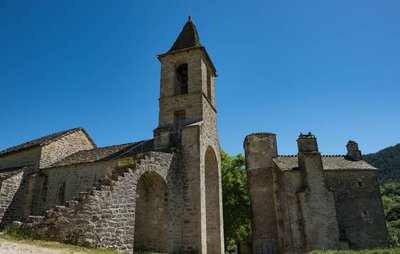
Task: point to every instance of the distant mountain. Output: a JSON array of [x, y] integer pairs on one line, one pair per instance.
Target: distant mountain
[[388, 161]]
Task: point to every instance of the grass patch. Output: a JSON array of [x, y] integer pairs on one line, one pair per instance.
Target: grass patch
[[18, 234], [373, 251]]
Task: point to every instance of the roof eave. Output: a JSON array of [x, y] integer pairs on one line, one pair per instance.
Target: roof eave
[[51, 141], [203, 49]]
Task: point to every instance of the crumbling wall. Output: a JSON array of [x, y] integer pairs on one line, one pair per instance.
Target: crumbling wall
[[359, 207], [105, 215], [61, 184]]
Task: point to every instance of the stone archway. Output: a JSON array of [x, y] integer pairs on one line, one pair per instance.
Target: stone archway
[[151, 214], [212, 203]]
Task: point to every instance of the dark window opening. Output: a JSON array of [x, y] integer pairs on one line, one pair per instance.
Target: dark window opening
[[179, 122], [61, 194], [360, 184], [44, 192], [208, 85], [182, 79]]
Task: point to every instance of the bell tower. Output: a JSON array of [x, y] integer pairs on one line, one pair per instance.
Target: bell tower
[[188, 122], [187, 82]]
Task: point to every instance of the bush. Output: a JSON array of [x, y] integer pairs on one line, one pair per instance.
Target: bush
[[17, 232]]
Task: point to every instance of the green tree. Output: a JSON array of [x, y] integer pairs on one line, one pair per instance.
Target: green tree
[[391, 204], [236, 201]]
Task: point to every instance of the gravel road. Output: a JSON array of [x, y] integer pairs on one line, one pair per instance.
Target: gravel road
[[8, 247]]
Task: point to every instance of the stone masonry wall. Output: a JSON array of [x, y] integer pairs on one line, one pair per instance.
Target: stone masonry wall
[[200, 177], [287, 183], [61, 184], [9, 186], [193, 234], [63, 147], [317, 206], [260, 149], [21, 158], [211, 173], [105, 216], [190, 102], [359, 207]]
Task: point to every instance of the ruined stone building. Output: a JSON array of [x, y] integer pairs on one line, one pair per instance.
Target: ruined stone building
[[308, 201], [162, 194]]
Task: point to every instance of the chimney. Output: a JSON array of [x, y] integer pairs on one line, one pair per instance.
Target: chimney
[[352, 151], [307, 143]]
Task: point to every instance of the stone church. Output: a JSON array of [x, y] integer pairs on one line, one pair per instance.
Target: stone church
[[162, 194]]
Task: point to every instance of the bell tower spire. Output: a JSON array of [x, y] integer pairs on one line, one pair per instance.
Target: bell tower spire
[[188, 38]]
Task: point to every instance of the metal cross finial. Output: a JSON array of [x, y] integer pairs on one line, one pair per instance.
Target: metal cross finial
[[190, 15]]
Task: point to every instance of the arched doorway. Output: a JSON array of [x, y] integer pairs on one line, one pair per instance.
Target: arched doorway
[[151, 214], [212, 203]]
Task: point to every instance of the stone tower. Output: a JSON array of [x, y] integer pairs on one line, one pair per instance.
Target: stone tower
[[188, 124]]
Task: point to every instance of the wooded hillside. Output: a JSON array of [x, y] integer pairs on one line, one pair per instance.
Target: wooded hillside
[[388, 161]]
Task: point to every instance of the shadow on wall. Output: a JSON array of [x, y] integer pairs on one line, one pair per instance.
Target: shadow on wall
[[14, 192]]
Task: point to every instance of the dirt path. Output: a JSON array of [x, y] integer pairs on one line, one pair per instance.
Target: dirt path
[[9, 247]]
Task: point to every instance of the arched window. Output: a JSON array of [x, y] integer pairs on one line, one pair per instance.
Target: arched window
[[181, 86]]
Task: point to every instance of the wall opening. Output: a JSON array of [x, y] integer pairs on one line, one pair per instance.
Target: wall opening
[[151, 214], [212, 202], [61, 194], [44, 194], [182, 77], [179, 122], [208, 85]]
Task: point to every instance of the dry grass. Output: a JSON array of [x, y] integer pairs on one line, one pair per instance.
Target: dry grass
[[373, 251], [57, 245]]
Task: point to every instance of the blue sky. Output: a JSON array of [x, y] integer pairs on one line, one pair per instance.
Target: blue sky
[[330, 67]]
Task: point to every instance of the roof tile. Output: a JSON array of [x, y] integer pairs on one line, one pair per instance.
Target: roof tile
[[188, 38], [328, 162], [43, 141]]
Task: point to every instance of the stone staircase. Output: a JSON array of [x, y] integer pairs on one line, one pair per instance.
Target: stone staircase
[[102, 216]]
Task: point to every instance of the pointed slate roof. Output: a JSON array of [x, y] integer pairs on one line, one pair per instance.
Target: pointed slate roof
[[188, 38]]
